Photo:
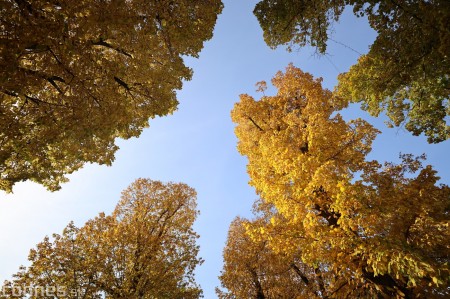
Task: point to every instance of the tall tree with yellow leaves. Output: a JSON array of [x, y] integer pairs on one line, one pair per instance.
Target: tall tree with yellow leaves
[[145, 249], [76, 75], [405, 73], [383, 230]]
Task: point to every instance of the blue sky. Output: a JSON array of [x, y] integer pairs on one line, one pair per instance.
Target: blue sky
[[196, 145]]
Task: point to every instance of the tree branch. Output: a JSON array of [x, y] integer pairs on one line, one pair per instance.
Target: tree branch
[[387, 282], [336, 290], [103, 43], [300, 273], [256, 125], [122, 83]]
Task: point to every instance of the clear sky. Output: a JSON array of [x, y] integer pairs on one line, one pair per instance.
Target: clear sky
[[196, 145]]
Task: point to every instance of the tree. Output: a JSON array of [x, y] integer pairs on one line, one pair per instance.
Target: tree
[[253, 270], [380, 229], [75, 75], [145, 249], [405, 73], [57, 267]]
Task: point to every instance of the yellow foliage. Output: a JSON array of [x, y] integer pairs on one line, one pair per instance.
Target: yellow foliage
[[77, 74], [145, 249], [383, 230]]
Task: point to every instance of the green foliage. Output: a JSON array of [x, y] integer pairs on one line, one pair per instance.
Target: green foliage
[[405, 73], [293, 22]]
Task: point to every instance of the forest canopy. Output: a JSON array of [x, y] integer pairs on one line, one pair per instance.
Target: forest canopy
[[76, 75], [406, 71], [145, 249], [343, 225]]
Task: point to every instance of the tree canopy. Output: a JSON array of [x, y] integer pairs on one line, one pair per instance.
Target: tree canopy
[[405, 73], [369, 229], [145, 249], [253, 270], [75, 75]]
